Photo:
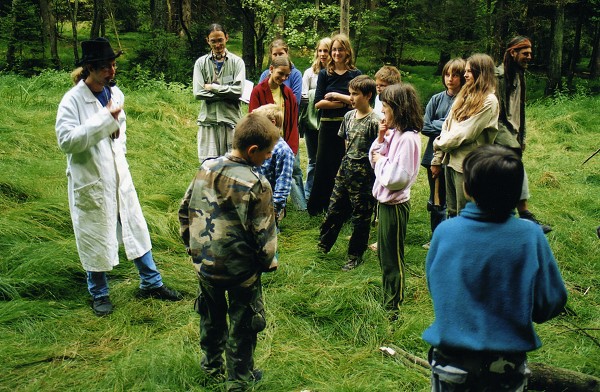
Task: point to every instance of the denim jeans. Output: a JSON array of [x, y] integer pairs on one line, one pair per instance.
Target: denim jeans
[[150, 278], [297, 191]]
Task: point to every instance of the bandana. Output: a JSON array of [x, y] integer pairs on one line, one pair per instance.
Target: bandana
[[520, 45]]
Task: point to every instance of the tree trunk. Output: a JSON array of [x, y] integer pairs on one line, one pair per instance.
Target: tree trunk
[[98, 21], [554, 82], [184, 19], [443, 59], [49, 30], [345, 17], [594, 65], [316, 22], [248, 51], [574, 55], [11, 49], [73, 12], [500, 31]]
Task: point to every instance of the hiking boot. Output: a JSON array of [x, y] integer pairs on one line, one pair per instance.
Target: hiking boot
[[162, 292], [102, 306], [529, 216], [353, 262]]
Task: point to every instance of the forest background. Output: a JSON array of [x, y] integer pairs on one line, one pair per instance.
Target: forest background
[[325, 327]]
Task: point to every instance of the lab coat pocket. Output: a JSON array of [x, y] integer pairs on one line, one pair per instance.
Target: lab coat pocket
[[89, 197]]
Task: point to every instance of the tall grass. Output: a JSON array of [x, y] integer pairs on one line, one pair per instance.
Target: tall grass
[[324, 326]]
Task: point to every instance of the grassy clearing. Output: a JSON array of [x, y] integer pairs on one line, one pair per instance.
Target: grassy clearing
[[324, 326]]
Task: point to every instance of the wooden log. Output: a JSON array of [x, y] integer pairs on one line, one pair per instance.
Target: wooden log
[[553, 379], [543, 377]]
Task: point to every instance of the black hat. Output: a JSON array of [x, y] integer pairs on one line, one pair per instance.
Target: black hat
[[97, 49]]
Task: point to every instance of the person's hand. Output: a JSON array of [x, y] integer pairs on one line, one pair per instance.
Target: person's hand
[[208, 87], [436, 170], [383, 128], [114, 111], [331, 97], [375, 156]]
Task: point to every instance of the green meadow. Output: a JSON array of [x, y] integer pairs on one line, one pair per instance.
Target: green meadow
[[325, 326]]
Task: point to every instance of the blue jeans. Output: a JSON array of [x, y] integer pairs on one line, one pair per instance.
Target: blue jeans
[[150, 278], [297, 191]]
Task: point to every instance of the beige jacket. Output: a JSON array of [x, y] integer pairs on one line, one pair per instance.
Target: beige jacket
[[458, 138]]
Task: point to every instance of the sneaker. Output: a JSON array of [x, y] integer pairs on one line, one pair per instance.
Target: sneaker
[[427, 245], [102, 306], [373, 246], [162, 292], [353, 262], [529, 216]]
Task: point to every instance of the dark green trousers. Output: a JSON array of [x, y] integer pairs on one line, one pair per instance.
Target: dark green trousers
[[391, 233], [244, 306]]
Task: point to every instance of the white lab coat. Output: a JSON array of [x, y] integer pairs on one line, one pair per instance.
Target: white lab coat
[[102, 199]]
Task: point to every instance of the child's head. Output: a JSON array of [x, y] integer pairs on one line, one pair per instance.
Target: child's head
[[401, 107], [280, 69], [453, 74], [341, 52], [322, 55], [365, 86], [255, 137], [480, 72], [279, 48], [493, 177], [386, 76], [272, 112]]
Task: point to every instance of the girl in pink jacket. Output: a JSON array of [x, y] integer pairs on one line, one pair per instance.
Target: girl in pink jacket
[[395, 158]]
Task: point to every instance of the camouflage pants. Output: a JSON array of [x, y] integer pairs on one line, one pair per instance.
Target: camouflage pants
[[244, 306], [469, 371], [351, 199]]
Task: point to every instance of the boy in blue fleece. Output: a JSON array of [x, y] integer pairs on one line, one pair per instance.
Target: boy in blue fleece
[[490, 276]]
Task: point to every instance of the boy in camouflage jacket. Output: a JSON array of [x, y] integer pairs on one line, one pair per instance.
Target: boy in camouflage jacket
[[228, 227]]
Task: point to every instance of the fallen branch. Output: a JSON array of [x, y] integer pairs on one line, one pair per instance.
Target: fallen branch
[[543, 377]]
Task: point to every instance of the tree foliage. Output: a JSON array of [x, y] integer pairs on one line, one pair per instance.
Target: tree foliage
[[381, 30]]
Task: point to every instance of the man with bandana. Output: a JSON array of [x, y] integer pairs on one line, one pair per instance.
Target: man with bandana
[[511, 123], [218, 83]]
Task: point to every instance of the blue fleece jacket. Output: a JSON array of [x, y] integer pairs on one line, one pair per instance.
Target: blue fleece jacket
[[489, 282]]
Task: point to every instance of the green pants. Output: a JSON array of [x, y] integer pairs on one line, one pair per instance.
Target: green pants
[[244, 306], [391, 233]]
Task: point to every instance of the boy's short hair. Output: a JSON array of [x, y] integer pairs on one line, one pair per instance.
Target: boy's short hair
[[389, 74], [455, 66], [255, 129], [273, 113], [493, 177], [365, 85]]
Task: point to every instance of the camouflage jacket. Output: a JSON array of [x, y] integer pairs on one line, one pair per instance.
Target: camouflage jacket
[[227, 221]]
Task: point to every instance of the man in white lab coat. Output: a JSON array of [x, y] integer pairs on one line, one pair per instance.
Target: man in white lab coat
[[105, 210]]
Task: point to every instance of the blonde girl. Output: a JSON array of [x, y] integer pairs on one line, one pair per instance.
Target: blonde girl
[[472, 121], [332, 98], [308, 122]]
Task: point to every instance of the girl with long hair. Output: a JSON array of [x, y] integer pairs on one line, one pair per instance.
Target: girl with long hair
[[472, 121], [308, 122], [332, 98]]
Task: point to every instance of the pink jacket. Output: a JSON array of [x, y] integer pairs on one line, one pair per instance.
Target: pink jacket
[[397, 168]]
